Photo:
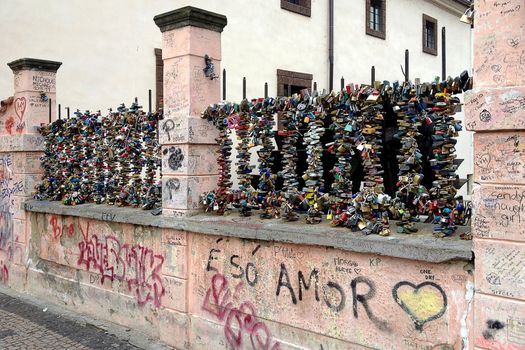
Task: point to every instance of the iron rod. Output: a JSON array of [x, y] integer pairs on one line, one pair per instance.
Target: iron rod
[[244, 88], [443, 54], [224, 84], [149, 100], [407, 65]]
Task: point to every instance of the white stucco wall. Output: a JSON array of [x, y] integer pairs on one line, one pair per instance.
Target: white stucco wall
[[403, 31], [107, 46]]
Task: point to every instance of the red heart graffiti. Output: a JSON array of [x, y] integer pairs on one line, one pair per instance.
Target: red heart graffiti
[[20, 107]]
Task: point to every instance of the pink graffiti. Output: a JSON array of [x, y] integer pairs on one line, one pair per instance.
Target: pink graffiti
[[4, 273], [238, 321], [58, 230], [137, 265], [496, 345]]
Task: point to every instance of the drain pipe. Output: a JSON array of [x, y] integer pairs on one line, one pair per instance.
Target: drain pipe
[[331, 43]]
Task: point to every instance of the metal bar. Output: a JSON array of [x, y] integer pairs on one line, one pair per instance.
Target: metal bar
[[289, 89], [244, 88], [372, 75], [149, 100], [342, 83], [67, 109], [331, 43], [315, 86], [49, 111], [59, 111], [407, 65], [224, 83], [265, 90], [443, 53]]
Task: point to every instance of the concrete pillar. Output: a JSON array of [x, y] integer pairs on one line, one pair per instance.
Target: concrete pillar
[[21, 147], [188, 142], [495, 110]]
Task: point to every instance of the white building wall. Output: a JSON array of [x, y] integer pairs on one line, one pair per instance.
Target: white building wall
[[107, 47], [356, 52]]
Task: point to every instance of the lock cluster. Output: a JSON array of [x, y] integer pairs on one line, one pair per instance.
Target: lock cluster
[[373, 154], [112, 159]]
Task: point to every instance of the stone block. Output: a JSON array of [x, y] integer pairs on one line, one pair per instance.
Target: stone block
[[35, 81], [175, 297], [498, 43], [173, 328], [180, 128], [500, 212], [188, 159], [191, 41], [175, 263], [183, 192], [499, 157], [187, 91], [495, 109], [27, 162], [174, 237], [409, 304], [30, 112], [24, 142], [499, 323], [501, 268]]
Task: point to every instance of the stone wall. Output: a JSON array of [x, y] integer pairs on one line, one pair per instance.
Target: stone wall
[[220, 292]]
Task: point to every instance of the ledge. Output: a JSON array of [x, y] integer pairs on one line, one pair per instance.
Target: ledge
[[190, 16], [418, 246], [34, 64]]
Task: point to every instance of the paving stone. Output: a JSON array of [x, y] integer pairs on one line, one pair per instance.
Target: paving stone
[[25, 326]]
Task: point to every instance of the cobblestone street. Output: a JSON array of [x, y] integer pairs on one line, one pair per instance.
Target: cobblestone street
[[26, 326]]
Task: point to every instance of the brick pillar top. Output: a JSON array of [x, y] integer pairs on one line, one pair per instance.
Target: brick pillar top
[[190, 16], [34, 64], [34, 100]]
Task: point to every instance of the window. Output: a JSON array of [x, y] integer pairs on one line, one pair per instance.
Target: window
[[375, 18], [430, 35], [302, 7], [294, 80]]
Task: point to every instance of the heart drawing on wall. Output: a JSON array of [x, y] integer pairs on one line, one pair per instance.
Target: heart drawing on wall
[[20, 107], [423, 303]]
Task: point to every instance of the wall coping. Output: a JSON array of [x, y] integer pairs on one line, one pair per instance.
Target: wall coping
[[34, 64], [418, 246], [190, 16]]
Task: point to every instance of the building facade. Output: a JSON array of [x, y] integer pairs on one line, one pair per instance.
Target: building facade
[[108, 48]]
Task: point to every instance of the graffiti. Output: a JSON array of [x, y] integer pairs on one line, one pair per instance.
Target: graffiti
[[58, 230], [4, 273], [7, 191], [9, 123], [423, 303], [238, 321], [492, 328], [20, 107], [175, 157], [173, 186], [136, 265], [44, 83], [485, 116], [167, 126], [334, 295]]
